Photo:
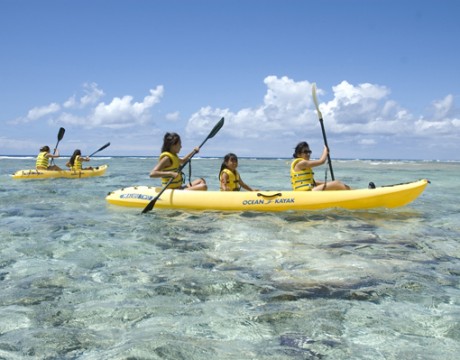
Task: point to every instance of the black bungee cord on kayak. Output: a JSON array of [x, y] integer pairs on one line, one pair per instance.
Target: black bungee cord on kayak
[[325, 179], [190, 172]]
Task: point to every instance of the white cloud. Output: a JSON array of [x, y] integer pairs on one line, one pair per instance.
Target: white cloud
[[443, 107], [92, 95], [284, 108], [355, 116], [359, 108], [70, 102], [203, 121], [286, 95], [448, 127], [121, 112], [39, 112], [288, 107], [70, 119]]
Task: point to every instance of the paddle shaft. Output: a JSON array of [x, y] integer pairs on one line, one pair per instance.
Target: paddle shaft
[[320, 117], [100, 149], [151, 204], [213, 132], [325, 143]]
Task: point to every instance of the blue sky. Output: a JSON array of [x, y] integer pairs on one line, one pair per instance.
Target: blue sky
[[387, 73]]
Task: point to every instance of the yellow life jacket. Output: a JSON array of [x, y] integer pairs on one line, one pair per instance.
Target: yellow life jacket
[[233, 180], [175, 164], [77, 163], [42, 160], [301, 180]]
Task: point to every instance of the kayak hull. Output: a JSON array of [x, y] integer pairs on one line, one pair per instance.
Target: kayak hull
[[33, 174], [385, 196]]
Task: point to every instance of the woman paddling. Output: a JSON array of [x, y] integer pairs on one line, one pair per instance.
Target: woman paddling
[[43, 157], [169, 163], [302, 174], [76, 161]]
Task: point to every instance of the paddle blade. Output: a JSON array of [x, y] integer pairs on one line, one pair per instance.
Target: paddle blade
[[61, 134], [150, 205], [59, 138], [216, 128], [105, 146], [152, 202], [315, 100], [214, 131]]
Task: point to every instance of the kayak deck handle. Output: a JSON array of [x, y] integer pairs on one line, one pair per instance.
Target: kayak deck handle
[[269, 196]]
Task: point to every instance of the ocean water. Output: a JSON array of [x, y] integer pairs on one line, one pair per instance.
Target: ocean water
[[83, 279]]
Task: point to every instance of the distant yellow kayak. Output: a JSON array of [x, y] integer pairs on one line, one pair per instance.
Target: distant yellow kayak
[[385, 196], [33, 174]]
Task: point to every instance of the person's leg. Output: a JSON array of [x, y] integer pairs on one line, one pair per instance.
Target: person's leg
[[197, 184]]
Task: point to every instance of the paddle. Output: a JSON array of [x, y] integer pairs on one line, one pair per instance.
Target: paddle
[[320, 117], [59, 138], [102, 148], [213, 132]]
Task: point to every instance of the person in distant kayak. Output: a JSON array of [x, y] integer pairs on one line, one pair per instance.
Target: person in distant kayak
[[302, 174], [76, 161], [43, 157], [229, 177], [169, 163]]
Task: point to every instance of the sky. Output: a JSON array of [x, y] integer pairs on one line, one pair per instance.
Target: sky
[[128, 71]]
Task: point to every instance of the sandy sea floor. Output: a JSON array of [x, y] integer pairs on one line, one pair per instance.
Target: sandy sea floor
[[82, 279]]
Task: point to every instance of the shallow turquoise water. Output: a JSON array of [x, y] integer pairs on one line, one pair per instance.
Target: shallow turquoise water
[[82, 279]]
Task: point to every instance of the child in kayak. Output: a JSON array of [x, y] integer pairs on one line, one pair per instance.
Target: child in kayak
[[302, 174], [42, 162], [229, 177], [169, 163], [76, 161]]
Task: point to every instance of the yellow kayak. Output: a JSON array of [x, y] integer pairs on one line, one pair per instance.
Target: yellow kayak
[[385, 196], [33, 174]]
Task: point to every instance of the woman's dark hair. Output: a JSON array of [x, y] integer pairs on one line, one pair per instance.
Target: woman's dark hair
[[169, 140], [74, 155], [300, 148], [227, 157], [45, 148]]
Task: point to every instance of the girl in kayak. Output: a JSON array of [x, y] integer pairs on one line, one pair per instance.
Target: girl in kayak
[[229, 177], [76, 161], [43, 157], [169, 163], [302, 174]]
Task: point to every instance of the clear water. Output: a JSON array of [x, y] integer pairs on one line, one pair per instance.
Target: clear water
[[82, 279]]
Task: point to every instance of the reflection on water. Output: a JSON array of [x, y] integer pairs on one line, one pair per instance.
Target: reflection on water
[[81, 279]]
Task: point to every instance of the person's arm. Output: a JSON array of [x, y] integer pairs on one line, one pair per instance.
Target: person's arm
[[324, 155], [304, 164], [157, 171], [188, 156], [86, 158], [53, 156], [224, 182], [245, 186]]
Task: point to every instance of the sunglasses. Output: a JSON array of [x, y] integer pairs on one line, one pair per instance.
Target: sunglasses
[[306, 152]]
